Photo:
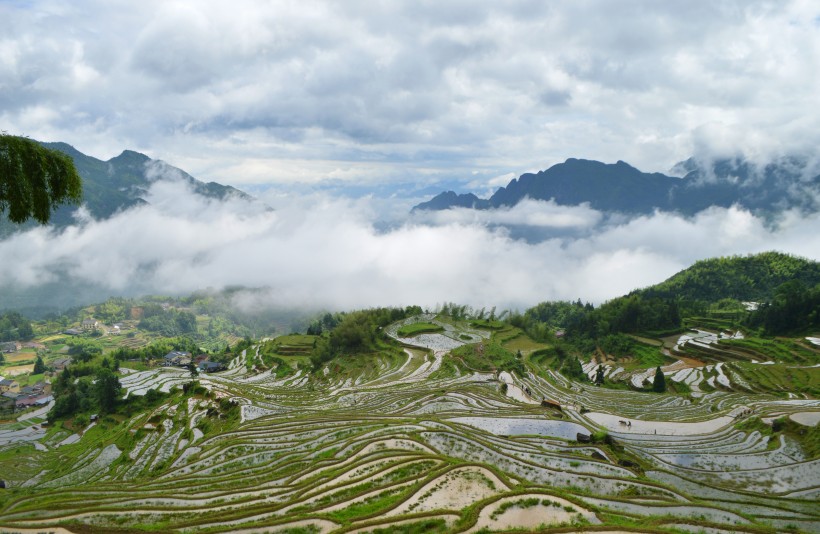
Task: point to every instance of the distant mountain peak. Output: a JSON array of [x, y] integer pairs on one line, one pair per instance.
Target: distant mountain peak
[[120, 183], [131, 156], [452, 200], [620, 187]]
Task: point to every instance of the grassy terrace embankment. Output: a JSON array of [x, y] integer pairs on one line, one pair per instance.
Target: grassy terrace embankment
[[427, 439]]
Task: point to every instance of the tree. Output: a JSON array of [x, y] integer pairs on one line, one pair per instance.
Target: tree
[[108, 389], [599, 375], [39, 366], [34, 179], [659, 384]]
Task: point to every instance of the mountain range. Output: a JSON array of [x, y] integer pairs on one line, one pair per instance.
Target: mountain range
[[120, 183], [619, 187]]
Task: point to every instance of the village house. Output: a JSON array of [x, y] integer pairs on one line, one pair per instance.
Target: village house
[[211, 367], [61, 363], [177, 358], [90, 325], [7, 385], [21, 403], [39, 388], [9, 346]]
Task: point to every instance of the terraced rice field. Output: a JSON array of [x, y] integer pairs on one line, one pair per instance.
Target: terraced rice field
[[410, 444]]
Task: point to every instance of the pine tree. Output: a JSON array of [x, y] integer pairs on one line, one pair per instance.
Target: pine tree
[[659, 384], [39, 366], [107, 389]]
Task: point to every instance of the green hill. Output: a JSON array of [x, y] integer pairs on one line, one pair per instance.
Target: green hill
[[745, 278]]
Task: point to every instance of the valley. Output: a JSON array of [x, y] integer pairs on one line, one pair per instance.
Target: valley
[[463, 426]]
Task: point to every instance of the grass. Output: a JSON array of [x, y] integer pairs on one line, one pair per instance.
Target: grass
[[491, 325], [329, 445], [17, 358], [487, 357], [425, 526], [415, 329], [521, 503], [523, 343], [780, 349], [648, 356]]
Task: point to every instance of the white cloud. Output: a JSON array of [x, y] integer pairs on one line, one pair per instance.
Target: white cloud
[[528, 212], [453, 87], [310, 92], [315, 252]]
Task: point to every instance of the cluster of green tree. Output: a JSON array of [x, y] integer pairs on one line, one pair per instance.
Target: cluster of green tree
[[357, 332], [744, 278], [559, 357], [541, 321], [462, 312], [83, 349], [155, 350], [630, 314], [169, 322], [85, 388], [617, 344], [14, 326], [455, 311], [113, 310], [325, 323], [587, 327], [794, 308]]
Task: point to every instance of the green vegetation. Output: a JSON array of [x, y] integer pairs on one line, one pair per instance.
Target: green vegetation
[[415, 329], [486, 323], [659, 382], [743, 278], [357, 332], [34, 180], [14, 326], [521, 503], [389, 437], [85, 389], [168, 322], [490, 356], [794, 308], [426, 526]]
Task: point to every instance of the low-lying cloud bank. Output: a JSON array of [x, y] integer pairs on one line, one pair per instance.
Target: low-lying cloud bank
[[317, 252]]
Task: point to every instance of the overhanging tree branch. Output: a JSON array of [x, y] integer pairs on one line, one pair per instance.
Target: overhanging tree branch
[[34, 180]]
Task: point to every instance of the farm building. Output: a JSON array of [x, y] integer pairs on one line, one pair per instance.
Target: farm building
[[90, 325], [211, 367], [9, 385], [177, 358]]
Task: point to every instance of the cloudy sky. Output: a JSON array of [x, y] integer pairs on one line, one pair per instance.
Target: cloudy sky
[[252, 92], [268, 96]]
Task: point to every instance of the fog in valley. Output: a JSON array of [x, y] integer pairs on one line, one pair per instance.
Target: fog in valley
[[319, 252]]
